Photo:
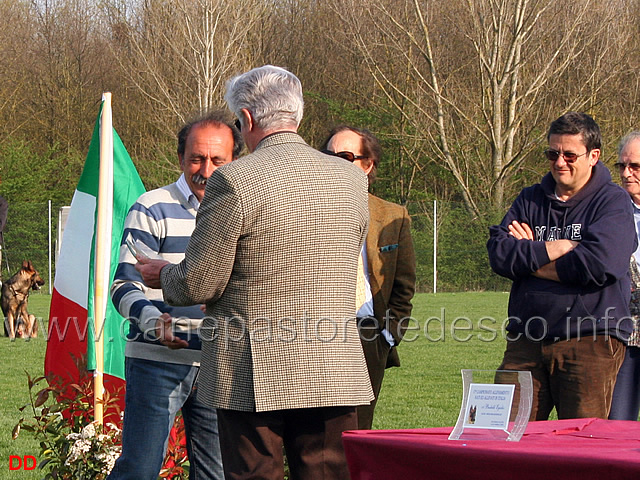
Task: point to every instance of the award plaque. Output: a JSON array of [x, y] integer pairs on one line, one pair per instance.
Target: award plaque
[[496, 405]]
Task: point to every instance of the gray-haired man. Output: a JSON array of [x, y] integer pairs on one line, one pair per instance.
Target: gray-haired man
[[274, 257]]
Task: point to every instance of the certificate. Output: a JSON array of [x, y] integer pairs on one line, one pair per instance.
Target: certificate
[[489, 406]]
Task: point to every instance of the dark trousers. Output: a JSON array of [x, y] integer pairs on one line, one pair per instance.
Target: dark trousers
[[376, 351], [575, 376], [626, 396], [252, 443]]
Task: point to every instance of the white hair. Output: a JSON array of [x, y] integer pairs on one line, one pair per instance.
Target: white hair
[[272, 94]]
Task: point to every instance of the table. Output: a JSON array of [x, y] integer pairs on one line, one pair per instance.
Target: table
[[581, 449]]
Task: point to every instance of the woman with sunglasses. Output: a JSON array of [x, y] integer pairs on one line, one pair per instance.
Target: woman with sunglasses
[[387, 271]]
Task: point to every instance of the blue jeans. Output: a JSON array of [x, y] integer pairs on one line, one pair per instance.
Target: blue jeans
[[626, 396], [155, 392]]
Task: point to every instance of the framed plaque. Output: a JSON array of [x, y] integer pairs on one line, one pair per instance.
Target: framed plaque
[[496, 405]]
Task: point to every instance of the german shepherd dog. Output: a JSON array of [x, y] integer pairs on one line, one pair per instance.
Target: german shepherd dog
[[15, 295]]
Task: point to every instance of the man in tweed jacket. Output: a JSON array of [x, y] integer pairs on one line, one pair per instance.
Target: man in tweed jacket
[[274, 258]]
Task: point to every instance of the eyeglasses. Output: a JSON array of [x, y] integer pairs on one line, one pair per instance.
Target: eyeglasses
[[633, 167], [238, 124], [349, 156], [569, 157]]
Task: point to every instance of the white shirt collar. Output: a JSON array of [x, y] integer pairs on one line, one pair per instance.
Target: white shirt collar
[[183, 186]]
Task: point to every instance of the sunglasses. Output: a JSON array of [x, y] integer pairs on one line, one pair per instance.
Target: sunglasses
[[238, 124], [633, 167], [569, 157], [349, 156]]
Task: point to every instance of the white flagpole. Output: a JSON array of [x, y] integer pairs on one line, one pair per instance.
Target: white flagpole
[[102, 259]]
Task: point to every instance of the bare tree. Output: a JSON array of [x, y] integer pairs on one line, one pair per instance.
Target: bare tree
[[179, 53], [52, 70], [478, 80], [15, 32]]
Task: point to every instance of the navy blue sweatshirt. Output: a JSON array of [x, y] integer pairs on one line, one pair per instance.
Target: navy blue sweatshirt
[[594, 291]]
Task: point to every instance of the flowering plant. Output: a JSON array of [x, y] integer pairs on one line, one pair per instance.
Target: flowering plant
[[72, 445]]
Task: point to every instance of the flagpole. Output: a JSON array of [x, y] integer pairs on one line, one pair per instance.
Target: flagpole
[[102, 259]]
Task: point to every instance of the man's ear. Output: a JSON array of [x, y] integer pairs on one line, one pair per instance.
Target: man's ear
[[594, 155], [369, 168], [248, 119]]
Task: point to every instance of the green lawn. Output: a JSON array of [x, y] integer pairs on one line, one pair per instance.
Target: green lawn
[[16, 358], [425, 392]]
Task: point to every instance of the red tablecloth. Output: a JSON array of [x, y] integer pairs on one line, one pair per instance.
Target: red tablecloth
[[580, 449]]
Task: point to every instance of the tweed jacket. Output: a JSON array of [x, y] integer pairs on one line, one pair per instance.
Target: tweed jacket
[[274, 257], [391, 264]]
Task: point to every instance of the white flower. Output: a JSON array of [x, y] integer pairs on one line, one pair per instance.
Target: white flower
[[77, 449], [89, 431], [109, 459]]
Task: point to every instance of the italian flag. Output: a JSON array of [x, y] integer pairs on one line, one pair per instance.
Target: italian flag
[[71, 326]]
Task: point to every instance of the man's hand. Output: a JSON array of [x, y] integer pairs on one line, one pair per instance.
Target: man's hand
[[558, 248], [150, 270], [521, 231], [164, 332], [555, 249]]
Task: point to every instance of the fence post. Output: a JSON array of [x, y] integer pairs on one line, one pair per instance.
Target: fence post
[[435, 247]]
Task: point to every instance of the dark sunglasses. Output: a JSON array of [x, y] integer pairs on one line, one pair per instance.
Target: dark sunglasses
[[238, 124], [633, 167], [569, 157], [346, 155]]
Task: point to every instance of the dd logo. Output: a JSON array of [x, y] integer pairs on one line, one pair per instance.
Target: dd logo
[[27, 462]]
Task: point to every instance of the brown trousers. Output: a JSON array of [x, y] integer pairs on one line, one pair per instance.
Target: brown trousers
[[575, 376], [376, 352], [252, 443]]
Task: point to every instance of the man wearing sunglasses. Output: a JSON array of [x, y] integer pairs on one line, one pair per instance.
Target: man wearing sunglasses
[[566, 244], [387, 268]]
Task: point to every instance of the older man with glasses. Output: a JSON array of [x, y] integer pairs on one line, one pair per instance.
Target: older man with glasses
[[626, 395], [566, 244]]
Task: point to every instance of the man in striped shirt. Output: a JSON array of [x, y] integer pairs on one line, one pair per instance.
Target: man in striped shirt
[[163, 348]]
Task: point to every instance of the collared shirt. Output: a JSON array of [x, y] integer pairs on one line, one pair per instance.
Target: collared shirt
[[183, 186], [366, 309], [636, 221]]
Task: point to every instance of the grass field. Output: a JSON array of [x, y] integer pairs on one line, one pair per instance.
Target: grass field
[[452, 331]]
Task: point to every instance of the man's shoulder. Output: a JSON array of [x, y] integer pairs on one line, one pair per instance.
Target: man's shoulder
[[389, 208], [278, 152], [166, 193], [607, 195], [532, 194], [615, 191], [532, 190]]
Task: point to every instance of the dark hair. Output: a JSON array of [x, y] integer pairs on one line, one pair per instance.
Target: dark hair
[[574, 123], [216, 118], [370, 146]]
